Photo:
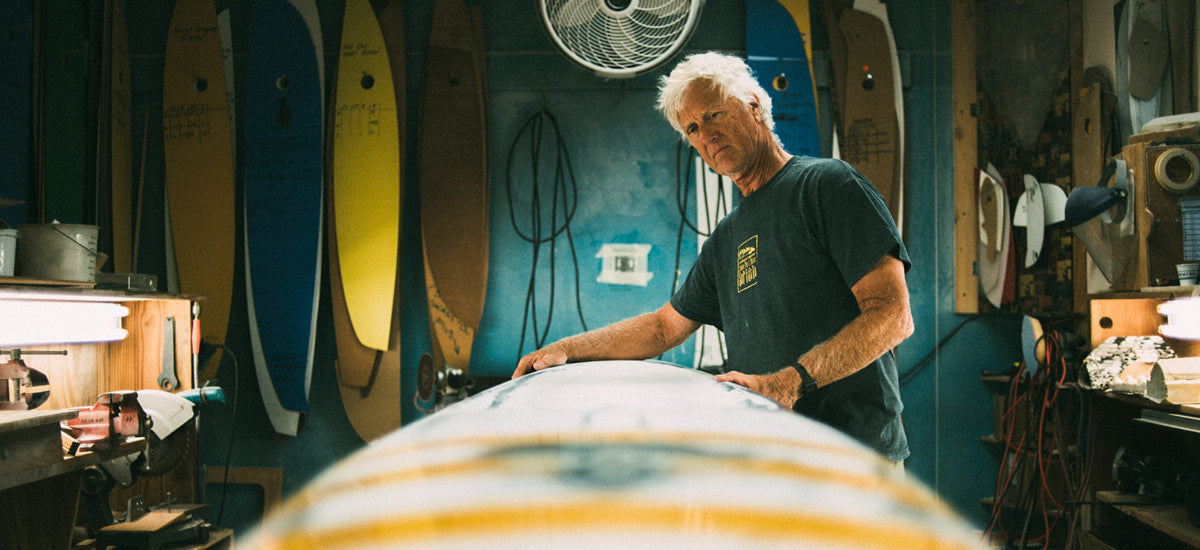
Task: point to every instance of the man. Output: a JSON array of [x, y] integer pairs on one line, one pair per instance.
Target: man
[[805, 277]]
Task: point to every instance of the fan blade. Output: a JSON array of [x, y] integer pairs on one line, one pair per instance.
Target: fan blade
[[664, 8], [575, 13]]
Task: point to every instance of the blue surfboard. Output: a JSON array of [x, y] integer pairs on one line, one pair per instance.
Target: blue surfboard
[[777, 45], [283, 208], [16, 47]]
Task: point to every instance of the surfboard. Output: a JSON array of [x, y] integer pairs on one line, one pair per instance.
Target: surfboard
[[871, 106], [614, 454], [63, 129], [121, 142], [16, 53], [778, 50], [366, 181], [369, 379], [225, 27], [1148, 75], [198, 165], [454, 182], [283, 203]]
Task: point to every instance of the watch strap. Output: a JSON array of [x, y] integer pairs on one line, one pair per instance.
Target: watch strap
[[807, 384]]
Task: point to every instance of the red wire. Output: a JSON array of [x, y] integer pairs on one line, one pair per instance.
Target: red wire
[[1003, 480]]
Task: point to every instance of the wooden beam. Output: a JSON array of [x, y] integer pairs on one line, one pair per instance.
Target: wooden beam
[[962, 44]]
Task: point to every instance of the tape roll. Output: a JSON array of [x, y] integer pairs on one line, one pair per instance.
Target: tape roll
[[1177, 170]]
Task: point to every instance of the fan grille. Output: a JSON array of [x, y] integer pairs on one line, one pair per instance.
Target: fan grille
[[620, 41]]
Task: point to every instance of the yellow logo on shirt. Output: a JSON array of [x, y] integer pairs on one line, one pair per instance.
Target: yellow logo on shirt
[[747, 264]]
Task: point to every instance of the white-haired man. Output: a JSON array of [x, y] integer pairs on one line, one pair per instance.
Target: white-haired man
[[805, 277]]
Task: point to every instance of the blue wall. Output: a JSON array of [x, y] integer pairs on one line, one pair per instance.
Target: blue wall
[[623, 156]]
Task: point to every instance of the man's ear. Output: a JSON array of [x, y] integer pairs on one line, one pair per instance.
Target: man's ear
[[754, 105]]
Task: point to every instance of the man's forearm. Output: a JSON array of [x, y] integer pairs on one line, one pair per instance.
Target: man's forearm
[[638, 337], [870, 335]]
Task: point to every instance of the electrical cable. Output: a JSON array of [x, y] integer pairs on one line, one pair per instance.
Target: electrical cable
[[563, 176], [712, 214], [237, 385], [1045, 409], [908, 375]]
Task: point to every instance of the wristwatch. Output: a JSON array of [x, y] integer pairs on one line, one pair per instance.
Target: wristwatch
[[807, 384]]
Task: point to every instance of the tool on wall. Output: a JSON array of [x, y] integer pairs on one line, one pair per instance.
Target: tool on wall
[[23, 388], [167, 379]]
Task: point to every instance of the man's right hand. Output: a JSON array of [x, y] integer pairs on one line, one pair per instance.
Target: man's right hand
[[546, 357]]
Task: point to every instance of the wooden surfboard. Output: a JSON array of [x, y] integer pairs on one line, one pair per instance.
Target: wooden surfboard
[[369, 379], [615, 454], [284, 196], [366, 180], [199, 164], [778, 49], [121, 139], [871, 127], [454, 182]]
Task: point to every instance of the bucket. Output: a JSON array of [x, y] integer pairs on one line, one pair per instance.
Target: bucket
[[58, 252], [8, 252]]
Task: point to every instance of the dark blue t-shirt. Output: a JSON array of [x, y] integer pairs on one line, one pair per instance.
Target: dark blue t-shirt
[[775, 277]]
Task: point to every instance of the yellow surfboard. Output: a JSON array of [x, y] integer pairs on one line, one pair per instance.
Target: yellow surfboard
[[369, 379], [199, 164], [366, 176], [454, 182]]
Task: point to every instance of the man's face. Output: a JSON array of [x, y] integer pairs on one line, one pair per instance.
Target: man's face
[[727, 133]]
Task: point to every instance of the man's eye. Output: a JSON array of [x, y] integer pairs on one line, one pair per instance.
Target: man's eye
[[691, 129]]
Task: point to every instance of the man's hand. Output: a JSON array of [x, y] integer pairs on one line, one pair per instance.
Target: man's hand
[[546, 357], [782, 387]]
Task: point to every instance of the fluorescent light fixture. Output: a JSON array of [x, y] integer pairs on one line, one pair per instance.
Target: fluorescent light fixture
[[49, 322]]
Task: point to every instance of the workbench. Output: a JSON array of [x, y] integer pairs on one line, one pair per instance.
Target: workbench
[[39, 483]]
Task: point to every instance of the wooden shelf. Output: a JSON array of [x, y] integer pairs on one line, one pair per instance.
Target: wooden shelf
[[1170, 519]]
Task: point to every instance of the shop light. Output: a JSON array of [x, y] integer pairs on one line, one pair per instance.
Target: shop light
[[50, 322]]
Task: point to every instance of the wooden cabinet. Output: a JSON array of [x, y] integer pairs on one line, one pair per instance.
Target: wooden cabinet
[[1132, 428], [76, 379], [1120, 516]]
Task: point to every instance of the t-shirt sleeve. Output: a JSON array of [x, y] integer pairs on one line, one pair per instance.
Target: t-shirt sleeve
[[696, 299], [855, 222]]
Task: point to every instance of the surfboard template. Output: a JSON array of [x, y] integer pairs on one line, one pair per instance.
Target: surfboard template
[[871, 136], [454, 182], [283, 205], [778, 49], [366, 167], [369, 379], [198, 159]]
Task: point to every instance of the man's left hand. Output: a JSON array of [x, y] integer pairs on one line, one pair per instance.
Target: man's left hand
[[782, 387]]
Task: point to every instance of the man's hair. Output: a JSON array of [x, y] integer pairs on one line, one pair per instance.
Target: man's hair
[[727, 74]]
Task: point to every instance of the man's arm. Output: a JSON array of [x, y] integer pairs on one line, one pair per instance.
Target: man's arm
[[885, 321], [640, 337]]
